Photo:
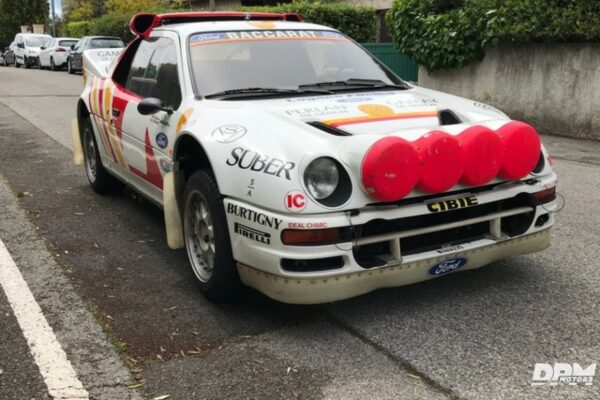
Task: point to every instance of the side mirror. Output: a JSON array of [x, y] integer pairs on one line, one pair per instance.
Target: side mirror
[[152, 105], [43, 48], [21, 45], [73, 46]]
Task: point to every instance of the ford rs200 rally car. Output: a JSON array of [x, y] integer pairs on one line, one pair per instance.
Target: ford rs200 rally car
[[287, 158]]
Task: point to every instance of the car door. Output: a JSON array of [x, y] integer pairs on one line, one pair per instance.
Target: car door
[[148, 139], [19, 49], [45, 53], [76, 54]]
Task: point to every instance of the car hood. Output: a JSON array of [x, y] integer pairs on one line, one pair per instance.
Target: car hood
[[381, 112]]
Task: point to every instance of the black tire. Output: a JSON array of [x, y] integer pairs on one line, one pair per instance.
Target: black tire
[[52, 65], [16, 63], [25, 62], [70, 68], [100, 179], [224, 281]]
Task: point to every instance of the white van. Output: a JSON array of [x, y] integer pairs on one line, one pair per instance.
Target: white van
[[27, 52]]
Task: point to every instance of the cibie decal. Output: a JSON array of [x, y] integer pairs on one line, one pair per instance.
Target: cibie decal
[[249, 159], [162, 141], [228, 133], [452, 204], [295, 201], [447, 266], [253, 216], [253, 234]]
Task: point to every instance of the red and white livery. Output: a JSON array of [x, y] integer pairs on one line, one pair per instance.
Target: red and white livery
[[287, 158]]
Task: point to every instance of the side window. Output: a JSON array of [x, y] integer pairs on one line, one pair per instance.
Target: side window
[[153, 72]]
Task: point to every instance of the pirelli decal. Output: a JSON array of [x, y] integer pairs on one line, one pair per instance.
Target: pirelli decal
[[452, 204]]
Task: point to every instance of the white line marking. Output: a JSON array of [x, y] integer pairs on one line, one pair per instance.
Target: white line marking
[[57, 371]]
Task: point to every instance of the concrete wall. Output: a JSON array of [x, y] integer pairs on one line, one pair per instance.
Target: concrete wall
[[553, 86]]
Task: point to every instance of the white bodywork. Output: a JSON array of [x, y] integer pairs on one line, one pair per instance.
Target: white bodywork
[[28, 52], [257, 195], [56, 52]]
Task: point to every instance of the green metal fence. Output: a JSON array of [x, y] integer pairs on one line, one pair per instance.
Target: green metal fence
[[403, 66]]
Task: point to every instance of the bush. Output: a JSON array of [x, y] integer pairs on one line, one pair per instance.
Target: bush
[[113, 24], [77, 28], [452, 33], [360, 23]]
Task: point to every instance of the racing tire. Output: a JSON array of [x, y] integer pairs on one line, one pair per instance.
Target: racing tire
[[16, 63], [70, 69], [52, 65], [206, 237], [25, 62], [101, 181]]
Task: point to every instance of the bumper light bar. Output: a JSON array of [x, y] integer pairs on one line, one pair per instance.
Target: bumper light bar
[[305, 237], [544, 196]]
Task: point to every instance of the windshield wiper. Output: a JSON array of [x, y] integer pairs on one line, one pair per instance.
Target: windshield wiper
[[245, 92], [354, 84]]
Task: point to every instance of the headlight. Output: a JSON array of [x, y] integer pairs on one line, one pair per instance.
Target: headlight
[[321, 177]]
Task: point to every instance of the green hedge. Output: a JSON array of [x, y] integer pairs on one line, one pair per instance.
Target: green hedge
[[452, 33], [360, 23]]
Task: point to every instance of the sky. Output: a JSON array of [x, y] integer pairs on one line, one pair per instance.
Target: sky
[[57, 6]]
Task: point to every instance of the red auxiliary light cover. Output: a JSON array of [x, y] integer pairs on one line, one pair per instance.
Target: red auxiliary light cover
[[442, 160], [390, 169], [521, 145], [143, 23], [483, 155]]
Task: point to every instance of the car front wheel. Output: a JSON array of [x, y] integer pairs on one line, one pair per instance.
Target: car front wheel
[[25, 62], [207, 238], [70, 68], [52, 65], [100, 179]]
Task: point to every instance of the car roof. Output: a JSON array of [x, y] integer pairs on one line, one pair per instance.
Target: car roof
[[34, 34], [102, 37], [189, 28]]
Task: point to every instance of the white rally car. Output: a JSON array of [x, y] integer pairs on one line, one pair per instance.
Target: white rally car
[[287, 158]]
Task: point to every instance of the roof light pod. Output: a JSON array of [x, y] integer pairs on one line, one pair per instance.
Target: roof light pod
[[483, 155], [390, 169], [442, 159], [521, 146]]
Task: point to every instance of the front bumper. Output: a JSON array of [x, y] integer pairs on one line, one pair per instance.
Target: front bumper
[[321, 290], [419, 239]]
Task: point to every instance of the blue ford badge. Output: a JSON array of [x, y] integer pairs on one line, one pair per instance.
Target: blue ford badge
[[161, 140], [447, 266]]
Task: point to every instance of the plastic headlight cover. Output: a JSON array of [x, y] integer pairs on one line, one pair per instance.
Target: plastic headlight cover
[[321, 177]]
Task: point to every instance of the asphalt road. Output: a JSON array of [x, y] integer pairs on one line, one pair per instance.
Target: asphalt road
[[127, 312]]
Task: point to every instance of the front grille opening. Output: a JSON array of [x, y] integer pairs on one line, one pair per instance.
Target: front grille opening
[[372, 255], [437, 240], [315, 264], [517, 224]]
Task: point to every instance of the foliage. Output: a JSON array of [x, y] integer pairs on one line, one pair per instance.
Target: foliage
[[452, 33], [77, 28], [360, 23], [14, 13]]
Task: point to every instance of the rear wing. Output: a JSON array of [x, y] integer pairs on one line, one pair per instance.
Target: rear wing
[[98, 62]]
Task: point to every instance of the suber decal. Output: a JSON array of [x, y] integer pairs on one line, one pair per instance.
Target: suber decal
[[248, 159], [253, 216], [228, 133], [295, 201], [447, 266], [253, 234]]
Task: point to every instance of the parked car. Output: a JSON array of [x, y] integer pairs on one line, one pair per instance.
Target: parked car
[[9, 55], [28, 47], [2, 58], [55, 53], [87, 43], [287, 158]]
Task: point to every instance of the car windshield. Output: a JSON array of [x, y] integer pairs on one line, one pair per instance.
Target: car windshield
[[279, 59], [106, 43], [34, 41], [67, 43]]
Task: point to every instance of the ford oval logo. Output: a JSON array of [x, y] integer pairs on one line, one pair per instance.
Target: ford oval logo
[[447, 266]]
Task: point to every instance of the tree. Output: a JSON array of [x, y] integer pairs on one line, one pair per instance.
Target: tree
[[14, 13]]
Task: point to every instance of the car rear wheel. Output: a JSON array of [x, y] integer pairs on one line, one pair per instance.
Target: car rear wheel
[[16, 63], [207, 238], [52, 65], [70, 67], [100, 179]]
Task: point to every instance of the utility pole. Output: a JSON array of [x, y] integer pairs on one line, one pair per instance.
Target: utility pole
[[211, 5], [53, 18]]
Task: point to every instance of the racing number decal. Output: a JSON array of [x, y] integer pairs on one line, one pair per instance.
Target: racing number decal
[[295, 201]]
